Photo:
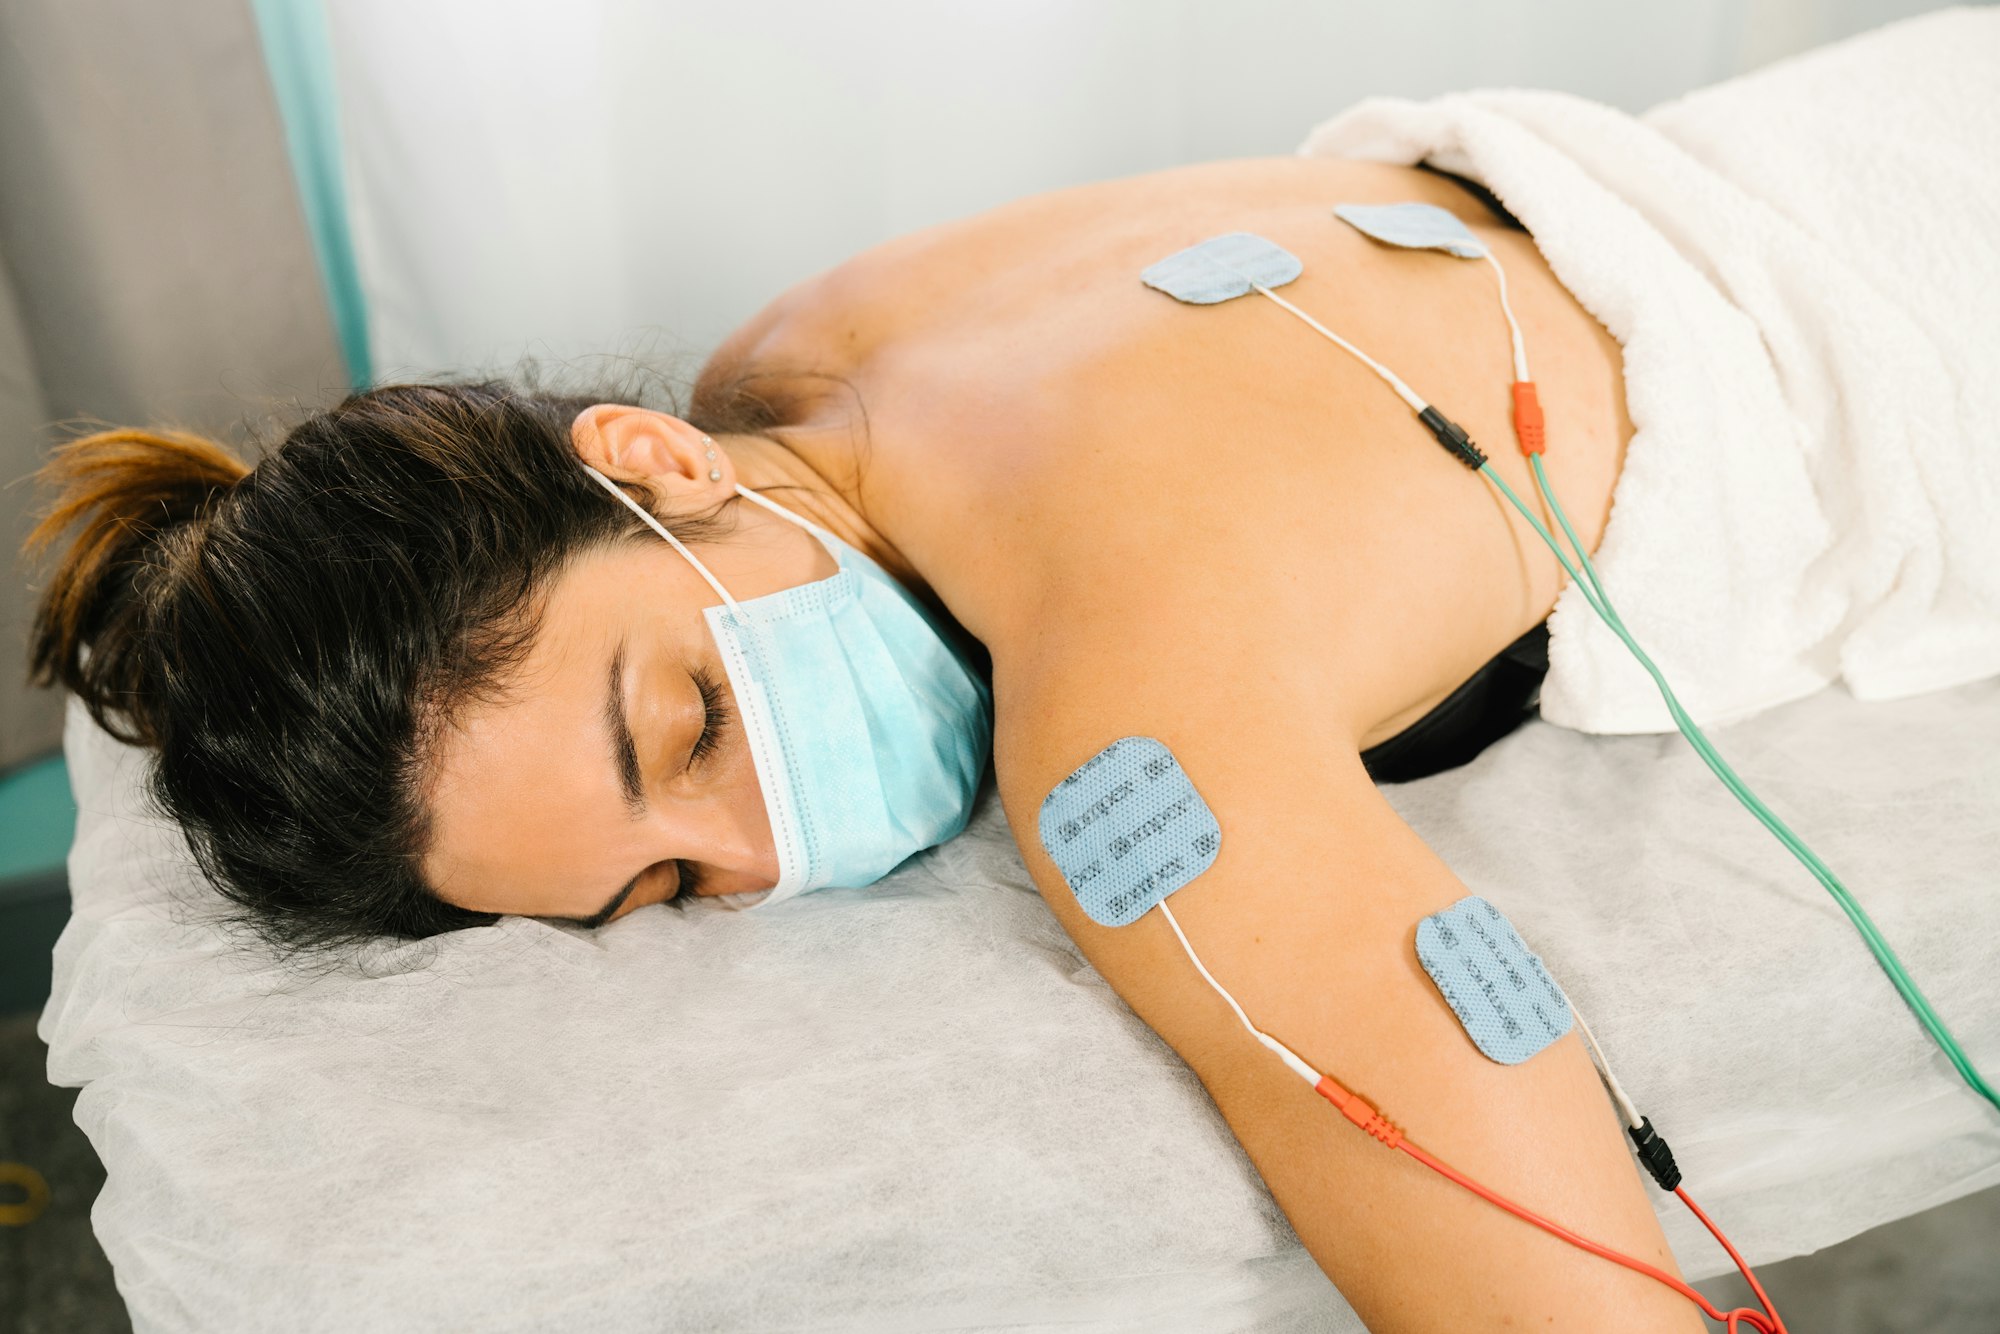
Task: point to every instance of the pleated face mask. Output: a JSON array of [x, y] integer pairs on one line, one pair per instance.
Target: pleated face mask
[[868, 729]]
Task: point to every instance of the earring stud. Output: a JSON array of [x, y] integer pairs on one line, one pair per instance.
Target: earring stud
[[714, 474]]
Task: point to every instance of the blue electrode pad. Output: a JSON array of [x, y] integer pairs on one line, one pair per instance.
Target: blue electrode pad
[[1127, 829], [1414, 226], [1492, 980], [1223, 268]]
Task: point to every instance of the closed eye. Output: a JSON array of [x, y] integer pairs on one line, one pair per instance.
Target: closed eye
[[715, 716]]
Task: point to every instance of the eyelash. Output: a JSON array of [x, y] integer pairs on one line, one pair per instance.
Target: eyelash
[[689, 886], [714, 717]]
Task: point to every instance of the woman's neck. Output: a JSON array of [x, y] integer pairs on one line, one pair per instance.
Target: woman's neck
[[794, 471]]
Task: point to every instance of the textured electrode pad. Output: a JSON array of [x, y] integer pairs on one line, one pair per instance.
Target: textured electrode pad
[[1127, 829], [1492, 980], [1223, 267], [1417, 226]]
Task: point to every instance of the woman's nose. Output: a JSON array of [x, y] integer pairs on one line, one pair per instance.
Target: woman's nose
[[731, 842]]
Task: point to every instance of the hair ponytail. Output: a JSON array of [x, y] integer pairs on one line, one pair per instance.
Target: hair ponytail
[[142, 498]]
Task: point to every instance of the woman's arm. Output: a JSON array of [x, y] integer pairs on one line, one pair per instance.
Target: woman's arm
[[1307, 916]]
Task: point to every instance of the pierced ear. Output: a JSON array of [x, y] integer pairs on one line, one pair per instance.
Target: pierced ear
[[670, 456], [627, 440]]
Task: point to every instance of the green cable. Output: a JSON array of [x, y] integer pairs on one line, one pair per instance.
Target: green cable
[[1600, 602]]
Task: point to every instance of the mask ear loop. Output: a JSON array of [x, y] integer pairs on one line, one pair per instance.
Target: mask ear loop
[[826, 537], [780, 510], [657, 527]]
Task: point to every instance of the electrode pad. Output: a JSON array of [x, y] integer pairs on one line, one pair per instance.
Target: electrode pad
[[1223, 268], [1415, 226], [1492, 980], [1127, 829]]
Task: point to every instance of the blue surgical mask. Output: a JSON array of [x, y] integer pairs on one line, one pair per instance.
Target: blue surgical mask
[[868, 728]]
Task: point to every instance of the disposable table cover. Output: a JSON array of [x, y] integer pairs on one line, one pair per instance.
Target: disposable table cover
[[916, 1107]]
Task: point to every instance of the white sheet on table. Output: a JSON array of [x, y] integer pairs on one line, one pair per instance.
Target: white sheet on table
[[916, 1107]]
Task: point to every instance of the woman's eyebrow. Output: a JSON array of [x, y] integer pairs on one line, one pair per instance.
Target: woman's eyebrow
[[623, 753]]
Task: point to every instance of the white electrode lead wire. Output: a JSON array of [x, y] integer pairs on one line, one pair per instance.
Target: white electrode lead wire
[[1513, 325], [1284, 1053], [1626, 1107], [1388, 377]]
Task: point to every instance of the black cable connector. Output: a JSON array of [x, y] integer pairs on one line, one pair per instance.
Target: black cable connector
[[1654, 1153], [1453, 437]]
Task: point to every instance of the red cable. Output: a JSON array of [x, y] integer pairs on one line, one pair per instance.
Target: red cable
[[1744, 1269], [1357, 1110]]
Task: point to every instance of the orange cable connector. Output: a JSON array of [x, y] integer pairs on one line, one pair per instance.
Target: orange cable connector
[[1528, 424]]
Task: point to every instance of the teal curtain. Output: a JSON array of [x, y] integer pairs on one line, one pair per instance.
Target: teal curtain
[[37, 818], [298, 55]]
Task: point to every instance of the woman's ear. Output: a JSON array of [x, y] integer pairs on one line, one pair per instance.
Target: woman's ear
[[677, 462]]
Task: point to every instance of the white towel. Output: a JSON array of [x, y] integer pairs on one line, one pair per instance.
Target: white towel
[[1802, 266]]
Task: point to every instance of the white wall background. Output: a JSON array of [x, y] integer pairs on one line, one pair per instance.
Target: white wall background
[[640, 176]]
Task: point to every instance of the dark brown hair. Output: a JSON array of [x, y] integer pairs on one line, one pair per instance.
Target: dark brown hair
[[290, 637]]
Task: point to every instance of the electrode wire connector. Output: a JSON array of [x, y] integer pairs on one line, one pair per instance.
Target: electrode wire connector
[[1530, 427], [1453, 437], [1654, 1153]]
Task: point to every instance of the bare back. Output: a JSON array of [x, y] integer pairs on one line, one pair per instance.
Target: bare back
[[1038, 420]]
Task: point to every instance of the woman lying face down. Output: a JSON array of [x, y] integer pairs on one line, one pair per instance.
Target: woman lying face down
[[425, 665]]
